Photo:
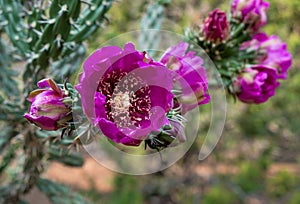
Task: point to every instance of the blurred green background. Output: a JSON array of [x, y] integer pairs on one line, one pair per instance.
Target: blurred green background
[[258, 157]]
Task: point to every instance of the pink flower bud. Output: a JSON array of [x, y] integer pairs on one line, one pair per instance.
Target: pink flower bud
[[272, 52], [47, 109], [256, 84], [216, 26], [251, 12]]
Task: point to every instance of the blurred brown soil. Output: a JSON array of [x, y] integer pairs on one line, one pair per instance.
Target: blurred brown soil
[[93, 175], [90, 175]]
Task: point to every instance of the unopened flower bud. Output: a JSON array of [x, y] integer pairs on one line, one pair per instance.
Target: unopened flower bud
[[216, 26], [256, 84], [48, 110]]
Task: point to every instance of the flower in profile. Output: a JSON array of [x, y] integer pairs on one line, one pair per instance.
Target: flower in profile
[[272, 52], [187, 69], [216, 26], [48, 109], [256, 84], [251, 12], [123, 93]]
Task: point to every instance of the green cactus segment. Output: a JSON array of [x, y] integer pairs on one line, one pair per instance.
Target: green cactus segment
[[152, 19], [9, 156], [9, 87], [64, 156], [48, 36], [59, 194], [43, 34], [14, 25], [9, 107], [92, 18], [6, 134], [10, 111], [68, 64]]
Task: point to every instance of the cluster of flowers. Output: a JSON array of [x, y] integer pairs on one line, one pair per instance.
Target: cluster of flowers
[[251, 63], [132, 98], [128, 95]]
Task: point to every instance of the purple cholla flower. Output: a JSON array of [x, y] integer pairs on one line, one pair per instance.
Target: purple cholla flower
[[257, 84], [47, 110], [125, 93], [188, 71], [272, 52], [251, 12], [216, 26]]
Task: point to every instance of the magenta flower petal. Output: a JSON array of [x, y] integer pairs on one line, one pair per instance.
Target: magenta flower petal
[[101, 55], [110, 130], [178, 51], [251, 12], [43, 122], [272, 52], [188, 71], [156, 99], [49, 83], [100, 111]]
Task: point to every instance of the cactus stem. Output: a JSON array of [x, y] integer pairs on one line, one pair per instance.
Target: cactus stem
[[63, 9], [18, 29], [28, 40], [73, 32], [37, 32], [93, 8], [88, 23], [33, 56], [44, 17], [32, 25], [106, 3], [30, 13], [26, 11], [45, 47], [3, 23], [73, 23], [50, 21], [9, 9], [86, 2], [98, 23]]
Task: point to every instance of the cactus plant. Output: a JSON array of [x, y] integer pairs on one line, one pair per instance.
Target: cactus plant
[[152, 19], [47, 38]]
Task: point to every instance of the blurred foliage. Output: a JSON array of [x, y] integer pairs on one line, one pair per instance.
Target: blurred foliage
[[38, 39], [125, 191], [60, 194], [152, 19], [281, 183], [250, 177], [7, 78], [295, 199], [220, 194]]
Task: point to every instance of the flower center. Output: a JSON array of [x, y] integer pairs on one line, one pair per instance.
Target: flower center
[[127, 99], [120, 103]]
